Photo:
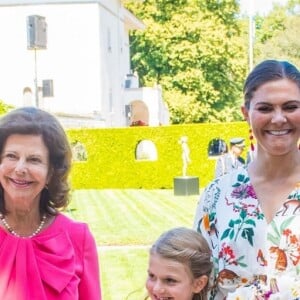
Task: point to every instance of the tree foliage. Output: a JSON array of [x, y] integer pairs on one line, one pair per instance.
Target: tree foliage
[[4, 108], [195, 51], [277, 35]]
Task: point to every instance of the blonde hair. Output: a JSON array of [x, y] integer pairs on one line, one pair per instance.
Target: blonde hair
[[186, 246]]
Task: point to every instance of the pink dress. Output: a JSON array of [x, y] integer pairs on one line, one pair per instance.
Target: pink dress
[[59, 263]]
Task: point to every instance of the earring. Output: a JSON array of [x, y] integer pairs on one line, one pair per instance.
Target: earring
[[251, 138]]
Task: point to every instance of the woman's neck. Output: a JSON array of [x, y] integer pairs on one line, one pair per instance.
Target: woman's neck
[[275, 166]]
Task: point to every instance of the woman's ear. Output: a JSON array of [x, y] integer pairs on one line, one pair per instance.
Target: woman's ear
[[50, 174], [199, 284], [245, 113]]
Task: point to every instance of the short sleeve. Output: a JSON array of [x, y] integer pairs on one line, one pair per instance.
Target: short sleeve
[[205, 216]]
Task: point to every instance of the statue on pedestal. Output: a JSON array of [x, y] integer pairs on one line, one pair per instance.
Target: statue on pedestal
[[185, 154]]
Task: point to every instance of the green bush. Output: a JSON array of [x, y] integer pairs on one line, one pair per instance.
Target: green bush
[[4, 108], [111, 161]]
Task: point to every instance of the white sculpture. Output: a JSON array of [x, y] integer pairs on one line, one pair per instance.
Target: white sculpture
[[185, 154]]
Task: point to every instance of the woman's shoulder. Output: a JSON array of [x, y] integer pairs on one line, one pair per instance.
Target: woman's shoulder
[[224, 184], [62, 219], [78, 232], [229, 179], [234, 175], [73, 228]]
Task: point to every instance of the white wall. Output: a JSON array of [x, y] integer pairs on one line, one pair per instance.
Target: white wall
[[87, 57], [152, 97], [71, 58]]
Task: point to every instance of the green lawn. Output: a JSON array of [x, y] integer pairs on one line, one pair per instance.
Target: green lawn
[[125, 223]]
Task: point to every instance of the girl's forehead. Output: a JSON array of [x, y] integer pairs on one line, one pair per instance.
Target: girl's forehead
[[157, 261]]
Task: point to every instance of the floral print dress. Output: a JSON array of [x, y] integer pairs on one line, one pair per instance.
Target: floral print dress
[[245, 247]]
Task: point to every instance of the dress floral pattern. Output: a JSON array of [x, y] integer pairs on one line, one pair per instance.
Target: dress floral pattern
[[244, 246]]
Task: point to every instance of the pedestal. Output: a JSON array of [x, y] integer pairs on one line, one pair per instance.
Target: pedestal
[[186, 185]]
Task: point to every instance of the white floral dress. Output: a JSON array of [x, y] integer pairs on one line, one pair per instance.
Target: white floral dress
[[245, 247]]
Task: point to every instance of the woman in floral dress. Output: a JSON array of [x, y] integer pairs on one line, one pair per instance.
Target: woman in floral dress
[[251, 216]]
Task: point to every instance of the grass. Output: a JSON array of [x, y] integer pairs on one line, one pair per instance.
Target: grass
[[125, 223], [123, 274]]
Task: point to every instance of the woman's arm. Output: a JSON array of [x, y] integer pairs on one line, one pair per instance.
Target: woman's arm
[[89, 287]]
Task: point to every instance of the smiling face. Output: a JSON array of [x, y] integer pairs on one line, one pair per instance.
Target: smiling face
[[171, 280], [274, 116], [24, 171]]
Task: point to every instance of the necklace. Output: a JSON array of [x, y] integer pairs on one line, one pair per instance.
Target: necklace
[[7, 226]]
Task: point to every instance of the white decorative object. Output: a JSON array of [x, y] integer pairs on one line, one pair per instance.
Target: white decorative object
[[185, 154]]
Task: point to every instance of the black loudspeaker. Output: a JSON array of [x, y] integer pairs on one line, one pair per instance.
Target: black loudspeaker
[[48, 88], [36, 32], [128, 110]]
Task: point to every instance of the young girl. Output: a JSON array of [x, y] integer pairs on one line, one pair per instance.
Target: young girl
[[179, 266]]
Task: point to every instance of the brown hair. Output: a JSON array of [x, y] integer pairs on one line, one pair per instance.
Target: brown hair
[[34, 121], [269, 70]]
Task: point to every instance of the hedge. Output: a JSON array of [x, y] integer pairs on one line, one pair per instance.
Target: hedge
[[111, 154]]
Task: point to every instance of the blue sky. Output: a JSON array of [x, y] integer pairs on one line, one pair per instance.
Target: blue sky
[[260, 6]]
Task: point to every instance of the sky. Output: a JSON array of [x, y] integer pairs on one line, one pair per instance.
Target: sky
[[259, 6]]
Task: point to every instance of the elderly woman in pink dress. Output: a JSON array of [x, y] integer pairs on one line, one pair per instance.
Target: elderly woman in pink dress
[[44, 255]]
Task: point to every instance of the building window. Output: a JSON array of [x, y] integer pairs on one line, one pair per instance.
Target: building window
[[109, 45], [78, 151], [146, 150], [217, 147]]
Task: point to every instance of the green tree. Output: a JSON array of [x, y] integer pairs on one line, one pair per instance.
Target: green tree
[[4, 108], [195, 50], [277, 34]]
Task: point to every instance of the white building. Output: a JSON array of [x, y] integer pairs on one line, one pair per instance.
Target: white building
[[85, 62]]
